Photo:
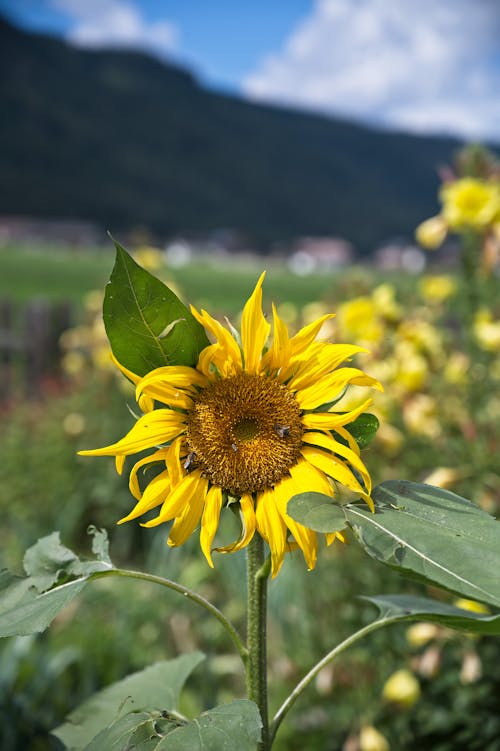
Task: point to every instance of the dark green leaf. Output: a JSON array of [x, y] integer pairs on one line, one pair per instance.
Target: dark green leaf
[[363, 429], [147, 325], [434, 536], [231, 726], [317, 511], [155, 688], [25, 606], [23, 611], [48, 561], [133, 732], [421, 609]]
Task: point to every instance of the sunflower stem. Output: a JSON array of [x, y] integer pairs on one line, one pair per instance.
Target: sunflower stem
[[258, 570], [306, 680], [190, 595]]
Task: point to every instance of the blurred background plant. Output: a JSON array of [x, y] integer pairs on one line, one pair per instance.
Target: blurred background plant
[[411, 328]]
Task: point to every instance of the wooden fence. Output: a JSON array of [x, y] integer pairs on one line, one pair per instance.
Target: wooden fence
[[29, 345]]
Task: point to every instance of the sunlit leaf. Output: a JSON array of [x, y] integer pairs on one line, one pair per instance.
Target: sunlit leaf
[[146, 323], [317, 511], [433, 535]]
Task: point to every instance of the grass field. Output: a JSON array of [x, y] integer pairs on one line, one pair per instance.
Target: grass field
[[61, 274]]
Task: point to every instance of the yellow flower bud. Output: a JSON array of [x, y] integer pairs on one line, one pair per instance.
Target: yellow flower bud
[[472, 605], [431, 233], [421, 633], [370, 739], [402, 688]]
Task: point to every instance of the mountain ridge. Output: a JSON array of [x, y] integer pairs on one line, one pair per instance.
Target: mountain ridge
[[124, 139]]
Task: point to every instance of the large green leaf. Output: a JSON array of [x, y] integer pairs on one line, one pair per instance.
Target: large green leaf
[[24, 611], [317, 511], [147, 325], [25, 604], [410, 608], [433, 535], [231, 726], [155, 688]]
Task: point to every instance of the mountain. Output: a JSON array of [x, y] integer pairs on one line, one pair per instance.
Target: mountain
[[125, 140]]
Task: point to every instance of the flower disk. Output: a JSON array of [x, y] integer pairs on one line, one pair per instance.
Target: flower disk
[[245, 433]]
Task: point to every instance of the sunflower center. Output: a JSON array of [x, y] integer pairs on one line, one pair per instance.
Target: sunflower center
[[244, 433]]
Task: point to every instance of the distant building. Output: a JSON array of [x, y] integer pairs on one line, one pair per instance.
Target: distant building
[[320, 254], [400, 255]]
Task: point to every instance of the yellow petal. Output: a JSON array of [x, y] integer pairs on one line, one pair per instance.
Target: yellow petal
[[335, 469], [332, 420], [133, 482], [305, 538], [321, 358], [190, 488], [210, 521], [223, 337], [248, 523], [278, 354], [330, 387], [327, 442], [119, 462], [254, 329], [150, 430], [156, 492], [186, 523], [306, 336], [214, 359], [272, 528]]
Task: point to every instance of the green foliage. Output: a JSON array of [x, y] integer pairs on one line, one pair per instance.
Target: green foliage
[[28, 605], [363, 429], [208, 161], [156, 688], [433, 535], [317, 511], [413, 608], [147, 325]]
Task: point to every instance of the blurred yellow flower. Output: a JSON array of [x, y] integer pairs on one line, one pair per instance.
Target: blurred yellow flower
[[431, 233], [402, 688], [420, 416], [386, 305], [358, 318], [436, 289], [422, 633], [470, 204], [370, 739], [472, 605], [243, 423], [442, 477], [487, 331], [151, 259]]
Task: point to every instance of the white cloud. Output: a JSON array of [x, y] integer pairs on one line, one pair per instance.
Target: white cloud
[[118, 23], [427, 66]]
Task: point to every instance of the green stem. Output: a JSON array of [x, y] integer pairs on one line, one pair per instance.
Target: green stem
[[257, 575], [190, 595], [306, 680]]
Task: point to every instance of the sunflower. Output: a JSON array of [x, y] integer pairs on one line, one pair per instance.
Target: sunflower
[[250, 425]]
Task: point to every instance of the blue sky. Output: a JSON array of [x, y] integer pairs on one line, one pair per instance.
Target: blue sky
[[431, 66]]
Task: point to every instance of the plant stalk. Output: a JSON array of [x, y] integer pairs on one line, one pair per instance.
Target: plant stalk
[[306, 680], [257, 575]]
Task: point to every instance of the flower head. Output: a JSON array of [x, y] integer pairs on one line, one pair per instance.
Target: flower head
[[251, 424], [470, 203]]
